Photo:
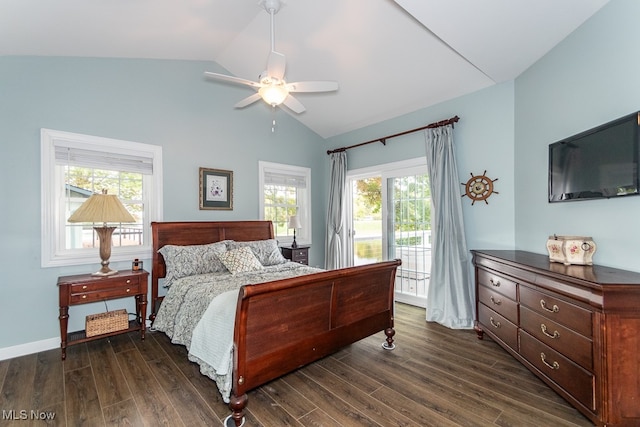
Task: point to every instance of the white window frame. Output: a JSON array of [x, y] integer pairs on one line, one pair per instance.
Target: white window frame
[[303, 236], [53, 254]]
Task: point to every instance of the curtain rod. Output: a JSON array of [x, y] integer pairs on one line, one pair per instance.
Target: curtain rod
[[383, 140]]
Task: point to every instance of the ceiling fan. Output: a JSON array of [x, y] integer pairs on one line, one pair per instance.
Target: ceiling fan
[[271, 85]]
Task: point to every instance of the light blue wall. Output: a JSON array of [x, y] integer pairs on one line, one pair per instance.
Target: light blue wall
[[167, 103], [484, 141], [592, 77]]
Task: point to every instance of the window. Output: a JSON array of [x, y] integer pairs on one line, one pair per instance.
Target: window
[[75, 166], [285, 190]]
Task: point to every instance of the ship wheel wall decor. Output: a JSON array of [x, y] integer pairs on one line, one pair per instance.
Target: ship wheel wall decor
[[479, 187]]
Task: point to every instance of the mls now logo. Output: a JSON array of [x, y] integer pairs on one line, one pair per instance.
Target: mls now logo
[[27, 415]]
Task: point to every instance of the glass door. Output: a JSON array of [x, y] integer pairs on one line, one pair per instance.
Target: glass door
[[408, 232], [389, 216], [365, 220]]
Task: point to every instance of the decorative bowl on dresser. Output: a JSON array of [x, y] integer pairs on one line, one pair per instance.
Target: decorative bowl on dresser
[[576, 327]]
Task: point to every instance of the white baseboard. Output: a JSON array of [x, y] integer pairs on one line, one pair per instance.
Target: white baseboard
[[29, 348]]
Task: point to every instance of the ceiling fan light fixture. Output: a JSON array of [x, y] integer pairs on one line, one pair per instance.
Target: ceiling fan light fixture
[[274, 94], [271, 84]]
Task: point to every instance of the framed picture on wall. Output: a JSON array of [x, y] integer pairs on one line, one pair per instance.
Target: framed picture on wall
[[216, 189]]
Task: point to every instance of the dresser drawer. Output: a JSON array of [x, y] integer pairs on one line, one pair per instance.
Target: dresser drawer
[[575, 380], [498, 325], [498, 283], [558, 310], [498, 303], [568, 342], [103, 289]]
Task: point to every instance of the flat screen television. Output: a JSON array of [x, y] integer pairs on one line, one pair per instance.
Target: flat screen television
[[599, 163]]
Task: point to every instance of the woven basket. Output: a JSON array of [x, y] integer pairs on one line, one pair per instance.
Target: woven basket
[[104, 323]]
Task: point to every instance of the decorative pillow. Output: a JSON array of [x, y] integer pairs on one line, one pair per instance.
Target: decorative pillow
[[182, 261], [266, 251], [240, 260]]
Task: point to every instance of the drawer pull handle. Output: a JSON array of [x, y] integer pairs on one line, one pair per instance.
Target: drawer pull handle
[[128, 290], [553, 309], [554, 365], [495, 301], [494, 323], [555, 334], [84, 297], [84, 287], [128, 281], [495, 283]]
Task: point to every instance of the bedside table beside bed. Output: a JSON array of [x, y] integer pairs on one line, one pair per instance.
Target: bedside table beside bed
[[299, 254], [86, 288]]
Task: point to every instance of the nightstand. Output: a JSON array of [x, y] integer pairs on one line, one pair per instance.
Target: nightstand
[[85, 288], [299, 254]]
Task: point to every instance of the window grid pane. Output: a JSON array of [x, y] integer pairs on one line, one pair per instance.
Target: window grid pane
[[411, 238], [280, 203], [81, 182]]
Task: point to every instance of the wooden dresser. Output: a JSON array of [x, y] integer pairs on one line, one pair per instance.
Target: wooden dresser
[[575, 327]]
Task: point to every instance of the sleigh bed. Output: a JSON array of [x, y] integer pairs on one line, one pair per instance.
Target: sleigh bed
[[278, 325]]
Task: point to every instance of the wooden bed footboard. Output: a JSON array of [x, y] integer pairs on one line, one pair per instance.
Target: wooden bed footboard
[[283, 325]]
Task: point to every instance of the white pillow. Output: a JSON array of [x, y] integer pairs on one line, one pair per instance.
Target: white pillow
[[240, 260]]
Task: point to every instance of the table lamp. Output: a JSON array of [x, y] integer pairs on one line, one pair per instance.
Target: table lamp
[[103, 208], [294, 223]]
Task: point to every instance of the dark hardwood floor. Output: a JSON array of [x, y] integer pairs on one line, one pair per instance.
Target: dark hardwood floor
[[435, 377]]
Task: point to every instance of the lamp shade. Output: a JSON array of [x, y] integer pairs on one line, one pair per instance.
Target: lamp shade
[[102, 208], [274, 94], [294, 222]]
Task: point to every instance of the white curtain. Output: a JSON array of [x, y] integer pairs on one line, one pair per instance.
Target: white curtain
[[451, 294], [334, 254]]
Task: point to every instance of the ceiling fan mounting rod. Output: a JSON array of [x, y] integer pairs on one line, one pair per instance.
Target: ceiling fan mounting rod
[[272, 7], [273, 36]]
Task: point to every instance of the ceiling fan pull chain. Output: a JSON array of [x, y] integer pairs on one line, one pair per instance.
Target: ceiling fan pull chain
[[273, 119]]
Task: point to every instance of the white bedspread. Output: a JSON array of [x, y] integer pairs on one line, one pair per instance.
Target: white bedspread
[[217, 322]]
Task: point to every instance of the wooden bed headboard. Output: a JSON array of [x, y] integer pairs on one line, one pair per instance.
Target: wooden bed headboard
[[198, 233]]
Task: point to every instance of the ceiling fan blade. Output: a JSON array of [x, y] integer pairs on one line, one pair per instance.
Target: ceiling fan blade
[[276, 65], [248, 100], [317, 86], [232, 79], [294, 105]]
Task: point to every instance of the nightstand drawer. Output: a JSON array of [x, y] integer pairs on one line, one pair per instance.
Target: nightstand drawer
[[301, 258], [99, 295], [299, 254], [104, 289]]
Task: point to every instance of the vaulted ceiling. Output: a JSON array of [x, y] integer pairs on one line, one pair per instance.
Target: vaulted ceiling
[[389, 57]]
